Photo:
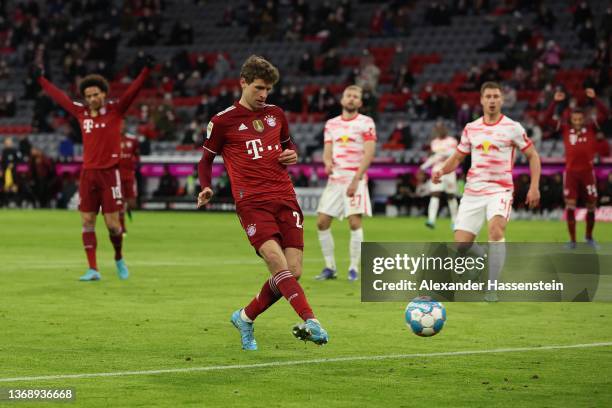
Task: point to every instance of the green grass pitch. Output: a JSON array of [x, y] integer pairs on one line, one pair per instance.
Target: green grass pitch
[[189, 271]]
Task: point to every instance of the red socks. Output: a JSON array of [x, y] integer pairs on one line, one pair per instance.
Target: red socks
[[571, 223], [90, 243], [590, 223], [292, 291], [117, 241], [268, 295]]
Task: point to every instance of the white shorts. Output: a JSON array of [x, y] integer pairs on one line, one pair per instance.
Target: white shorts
[[473, 209], [334, 201], [447, 184]]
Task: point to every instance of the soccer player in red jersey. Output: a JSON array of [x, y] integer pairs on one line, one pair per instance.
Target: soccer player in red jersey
[[579, 139], [130, 156], [99, 186], [253, 138]]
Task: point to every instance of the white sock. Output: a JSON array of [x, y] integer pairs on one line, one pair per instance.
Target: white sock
[[355, 248], [326, 239], [244, 317], [432, 212], [452, 207], [497, 258]]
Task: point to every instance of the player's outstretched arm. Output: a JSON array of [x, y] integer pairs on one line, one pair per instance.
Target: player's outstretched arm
[[56, 94], [205, 177], [369, 149], [449, 165], [535, 169], [130, 94]]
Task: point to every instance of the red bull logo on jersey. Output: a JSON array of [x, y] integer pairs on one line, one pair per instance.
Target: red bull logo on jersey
[[344, 139], [487, 146]]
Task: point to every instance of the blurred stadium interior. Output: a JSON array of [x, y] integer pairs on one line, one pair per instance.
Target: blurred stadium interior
[[419, 62]]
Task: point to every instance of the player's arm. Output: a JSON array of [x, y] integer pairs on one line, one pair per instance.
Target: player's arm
[[369, 149], [57, 95], [328, 151], [430, 161], [130, 94], [289, 154], [599, 105], [558, 97], [215, 139], [449, 165], [535, 169]]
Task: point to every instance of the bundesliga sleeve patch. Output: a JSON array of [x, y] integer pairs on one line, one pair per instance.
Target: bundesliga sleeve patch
[[209, 129]]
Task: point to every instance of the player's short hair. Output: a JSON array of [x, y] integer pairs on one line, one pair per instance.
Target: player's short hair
[[490, 85], [354, 88], [256, 67], [93, 80]]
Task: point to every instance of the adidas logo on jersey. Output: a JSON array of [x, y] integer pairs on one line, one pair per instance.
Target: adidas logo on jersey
[[242, 127]]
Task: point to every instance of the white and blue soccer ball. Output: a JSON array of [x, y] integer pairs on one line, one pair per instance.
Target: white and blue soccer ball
[[425, 316]]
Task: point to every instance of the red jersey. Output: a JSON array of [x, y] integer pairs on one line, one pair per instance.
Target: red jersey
[[129, 155], [250, 143], [579, 147], [101, 134]]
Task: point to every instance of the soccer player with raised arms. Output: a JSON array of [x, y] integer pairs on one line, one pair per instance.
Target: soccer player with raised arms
[[253, 138], [101, 123], [492, 141], [579, 175], [350, 144]]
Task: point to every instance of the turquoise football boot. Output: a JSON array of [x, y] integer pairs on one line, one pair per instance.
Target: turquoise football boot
[[246, 330], [91, 275], [311, 330], [122, 269]]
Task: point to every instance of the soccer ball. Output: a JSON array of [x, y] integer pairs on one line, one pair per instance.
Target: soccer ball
[[425, 316]]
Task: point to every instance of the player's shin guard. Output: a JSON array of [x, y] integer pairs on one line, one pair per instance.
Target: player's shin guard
[[267, 296], [497, 258], [116, 239], [432, 210], [355, 248], [90, 243], [452, 207], [293, 292], [590, 223], [571, 223], [326, 239]]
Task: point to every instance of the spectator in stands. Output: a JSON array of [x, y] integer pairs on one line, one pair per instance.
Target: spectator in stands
[[66, 150], [204, 111], [25, 148], [464, 115], [5, 71], [201, 65], [400, 138], [552, 55], [421, 192], [369, 73], [182, 33], [293, 101], [306, 65], [68, 188], [403, 80], [552, 192], [168, 184], [191, 137], [438, 14], [42, 178], [545, 17], [10, 154], [605, 191], [587, 34], [404, 194], [331, 63], [500, 40], [582, 13], [534, 131], [602, 145]]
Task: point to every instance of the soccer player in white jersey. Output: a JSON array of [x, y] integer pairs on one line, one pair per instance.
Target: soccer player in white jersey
[[492, 141], [442, 146], [350, 143]]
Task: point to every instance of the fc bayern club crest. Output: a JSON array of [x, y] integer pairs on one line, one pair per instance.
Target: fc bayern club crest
[[270, 120], [251, 230]]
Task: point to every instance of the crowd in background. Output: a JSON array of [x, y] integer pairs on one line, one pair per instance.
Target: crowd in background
[[57, 33]]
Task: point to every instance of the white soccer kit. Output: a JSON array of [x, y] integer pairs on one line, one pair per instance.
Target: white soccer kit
[[442, 149], [347, 138], [489, 187]]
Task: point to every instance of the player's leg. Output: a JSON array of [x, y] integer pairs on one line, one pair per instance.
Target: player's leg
[[470, 218], [498, 213], [432, 210], [88, 222], [450, 186], [89, 204], [331, 205], [570, 193], [591, 205], [112, 204], [326, 240], [355, 224]]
